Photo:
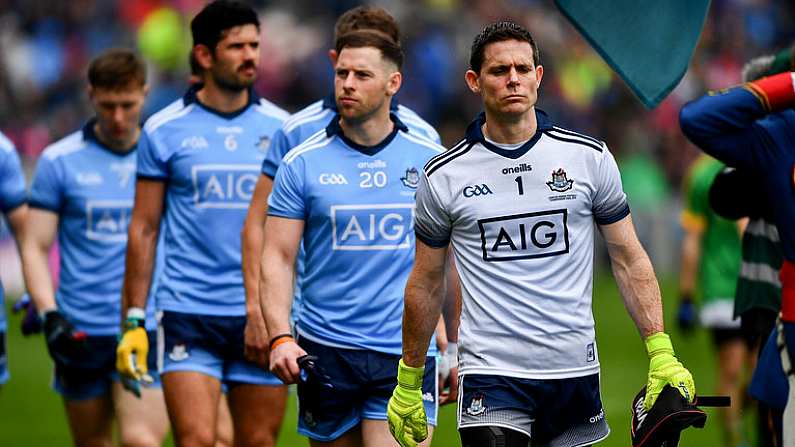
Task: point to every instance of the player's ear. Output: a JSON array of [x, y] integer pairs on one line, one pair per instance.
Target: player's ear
[[203, 56], [472, 79], [393, 83], [539, 75], [332, 55], [146, 90], [90, 92]]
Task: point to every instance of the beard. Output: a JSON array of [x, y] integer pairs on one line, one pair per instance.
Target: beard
[[232, 81]]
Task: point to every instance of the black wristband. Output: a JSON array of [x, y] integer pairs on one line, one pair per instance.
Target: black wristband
[[273, 340]]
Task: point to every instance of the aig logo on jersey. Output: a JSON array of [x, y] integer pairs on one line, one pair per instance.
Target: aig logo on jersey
[[223, 186], [524, 236], [372, 227], [107, 220]]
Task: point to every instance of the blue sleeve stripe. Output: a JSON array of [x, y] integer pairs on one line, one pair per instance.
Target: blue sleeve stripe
[[613, 217], [44, 206], [431, 242]]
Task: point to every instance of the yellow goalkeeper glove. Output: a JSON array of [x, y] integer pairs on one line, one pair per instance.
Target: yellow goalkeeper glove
[[132, 352], [665, 369], [405, 412]]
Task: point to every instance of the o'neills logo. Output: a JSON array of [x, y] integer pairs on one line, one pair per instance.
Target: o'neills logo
[[524, 167]]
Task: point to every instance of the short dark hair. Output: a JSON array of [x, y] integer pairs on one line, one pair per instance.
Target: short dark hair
[[369, 38], [117, 69], [210, 23], [367, 18], [498, 32]]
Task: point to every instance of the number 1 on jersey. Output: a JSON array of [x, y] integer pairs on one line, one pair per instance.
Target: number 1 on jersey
[[519, 185]]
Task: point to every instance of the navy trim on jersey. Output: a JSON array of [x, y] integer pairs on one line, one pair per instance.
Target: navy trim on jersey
[[8, 207], [156, 178], [475, 134], [43, 206], [572, 140], [613, 218], [448, 156], [334, 128], [90, 135], [576, 134], [330, 102], [431, 242], [191, 98]]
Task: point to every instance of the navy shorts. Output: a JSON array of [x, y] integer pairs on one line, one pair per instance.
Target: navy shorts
[[553, 413], [363, 382], [92, 375], [209, 345], [4, 375], [769, 383]]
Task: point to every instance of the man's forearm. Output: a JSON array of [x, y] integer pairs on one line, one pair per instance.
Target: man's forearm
[[422, 307], [141, 252], [276, 293], [38, 279], [251, 254], [640, 291]]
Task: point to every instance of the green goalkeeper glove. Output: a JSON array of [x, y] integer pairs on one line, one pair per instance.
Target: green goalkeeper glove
[[664, 369], [405, 412]]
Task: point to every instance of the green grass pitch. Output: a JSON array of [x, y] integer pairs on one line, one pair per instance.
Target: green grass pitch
[[32, 415]]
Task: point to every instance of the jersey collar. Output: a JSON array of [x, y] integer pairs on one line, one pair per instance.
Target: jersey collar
[[475, 135], [334, 128], [191, 98], [90, 135], [330, 103]]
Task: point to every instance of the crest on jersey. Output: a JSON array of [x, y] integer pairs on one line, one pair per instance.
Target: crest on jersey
[[264, 143], [476, 407], [560, 183], [412, 178]]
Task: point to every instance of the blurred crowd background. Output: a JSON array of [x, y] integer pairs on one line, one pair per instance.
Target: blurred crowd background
[[45, 47]]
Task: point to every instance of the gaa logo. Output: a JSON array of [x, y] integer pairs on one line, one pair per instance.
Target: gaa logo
[[332, 179], [524, 236], [477, 190], [223, 186]]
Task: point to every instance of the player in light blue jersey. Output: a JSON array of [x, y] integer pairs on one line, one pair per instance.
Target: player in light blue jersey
[[298, 129], [13, 198], [82, 192], [197, 167], [348, 192]]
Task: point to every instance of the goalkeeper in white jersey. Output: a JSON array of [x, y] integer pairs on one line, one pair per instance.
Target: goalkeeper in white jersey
[[517, 200]]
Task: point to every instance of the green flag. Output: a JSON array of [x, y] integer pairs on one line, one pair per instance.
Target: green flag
[[647, 42]]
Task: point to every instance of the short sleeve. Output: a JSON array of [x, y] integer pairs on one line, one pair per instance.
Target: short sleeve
[[12, 180], [610, 202], [280, 145], [47, 189], [287, 196], [152, 162], [432, 224]]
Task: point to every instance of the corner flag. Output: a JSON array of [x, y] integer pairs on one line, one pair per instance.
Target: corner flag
[[647, 42]]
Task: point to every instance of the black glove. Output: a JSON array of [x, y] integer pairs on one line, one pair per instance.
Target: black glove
[[31, 323], [312, 373], [64, 342], [686, 315]]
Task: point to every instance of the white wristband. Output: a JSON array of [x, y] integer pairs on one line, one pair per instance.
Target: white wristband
[[136, 313], [452, 354]]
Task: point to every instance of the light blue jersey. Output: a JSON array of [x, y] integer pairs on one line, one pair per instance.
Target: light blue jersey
[[358, 207], [308, 122], [91, 188], [210, 162], [12, 195]]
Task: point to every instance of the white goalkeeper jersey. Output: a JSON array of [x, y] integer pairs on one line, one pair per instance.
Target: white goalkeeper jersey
[[521, 225]]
